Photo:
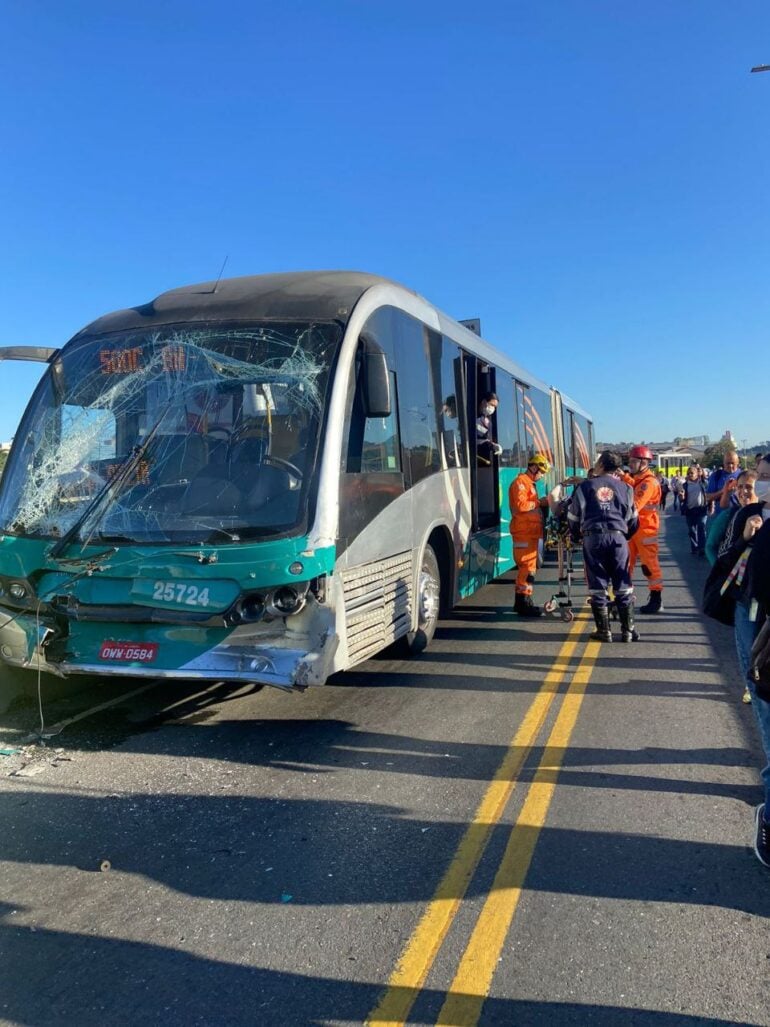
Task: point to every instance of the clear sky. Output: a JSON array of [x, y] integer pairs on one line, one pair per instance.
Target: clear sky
[[589, 178]]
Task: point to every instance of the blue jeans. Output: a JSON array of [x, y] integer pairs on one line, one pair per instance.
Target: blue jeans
[[745, 633], [696, 528]]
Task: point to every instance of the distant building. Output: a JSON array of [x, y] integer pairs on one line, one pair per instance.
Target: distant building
[[692, 441], [5, 447]]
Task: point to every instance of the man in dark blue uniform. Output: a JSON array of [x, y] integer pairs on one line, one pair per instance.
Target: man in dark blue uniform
[[603, 513]]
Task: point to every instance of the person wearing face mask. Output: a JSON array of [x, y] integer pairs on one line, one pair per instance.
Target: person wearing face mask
[[527, 530], [746, 546], [643, 546], [486, 447]]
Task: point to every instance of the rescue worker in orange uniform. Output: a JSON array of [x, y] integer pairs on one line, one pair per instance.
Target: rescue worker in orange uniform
[[527, 531], [644, 544]]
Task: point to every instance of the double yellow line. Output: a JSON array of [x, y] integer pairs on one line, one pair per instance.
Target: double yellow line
[[473, 979]]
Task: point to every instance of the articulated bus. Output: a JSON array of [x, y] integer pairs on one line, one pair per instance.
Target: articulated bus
[[265, 479], [673, 462]]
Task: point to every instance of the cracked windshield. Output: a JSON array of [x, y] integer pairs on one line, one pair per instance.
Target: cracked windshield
[[179, 435]]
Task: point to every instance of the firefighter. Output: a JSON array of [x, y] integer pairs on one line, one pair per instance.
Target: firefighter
[[602, 511], [644, 545], [527, 531]]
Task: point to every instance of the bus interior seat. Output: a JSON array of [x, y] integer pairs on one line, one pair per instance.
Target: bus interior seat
[[217, 455], [211, 494], [275, 492], [181, 458], [300, 457], [211, 490], [248, 451]]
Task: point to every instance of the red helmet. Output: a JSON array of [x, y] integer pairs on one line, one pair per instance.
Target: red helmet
[[641, 453]]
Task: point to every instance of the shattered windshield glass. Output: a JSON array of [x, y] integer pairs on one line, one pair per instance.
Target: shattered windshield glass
[[218, 428]]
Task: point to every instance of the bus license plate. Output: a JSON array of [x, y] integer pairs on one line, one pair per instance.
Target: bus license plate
[[129, 652]]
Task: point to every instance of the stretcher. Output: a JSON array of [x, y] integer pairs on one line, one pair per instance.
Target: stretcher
[[558, 540]]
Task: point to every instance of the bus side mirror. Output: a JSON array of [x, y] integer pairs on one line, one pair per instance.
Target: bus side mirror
[[375, 380], [38, 354]]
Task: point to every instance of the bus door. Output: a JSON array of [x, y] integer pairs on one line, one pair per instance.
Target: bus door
[[485, 466]]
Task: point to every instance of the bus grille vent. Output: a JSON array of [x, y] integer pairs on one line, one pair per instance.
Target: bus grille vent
[[378, 605]]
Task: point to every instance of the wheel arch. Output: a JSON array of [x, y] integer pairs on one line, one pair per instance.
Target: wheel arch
[[440, 540]]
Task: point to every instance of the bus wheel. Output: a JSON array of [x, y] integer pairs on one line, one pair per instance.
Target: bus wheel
[[428, 603]]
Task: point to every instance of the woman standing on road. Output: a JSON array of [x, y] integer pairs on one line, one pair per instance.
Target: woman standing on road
[[742, 488], [746, 546]]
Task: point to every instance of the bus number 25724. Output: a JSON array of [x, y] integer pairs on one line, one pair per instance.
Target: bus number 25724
[[172, 592]]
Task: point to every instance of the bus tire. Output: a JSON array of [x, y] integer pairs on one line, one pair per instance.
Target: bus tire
[[427, 601]]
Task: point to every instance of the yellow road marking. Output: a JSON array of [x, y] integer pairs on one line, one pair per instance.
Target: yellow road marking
[[473, 979], [423, 946]]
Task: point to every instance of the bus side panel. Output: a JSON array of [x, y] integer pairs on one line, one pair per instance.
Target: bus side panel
[[375, 578]]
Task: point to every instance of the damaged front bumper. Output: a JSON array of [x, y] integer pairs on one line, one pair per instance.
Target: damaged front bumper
[[285, 656], [22, 641]]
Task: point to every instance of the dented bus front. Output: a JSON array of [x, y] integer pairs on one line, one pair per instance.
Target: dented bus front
[[156, 505]]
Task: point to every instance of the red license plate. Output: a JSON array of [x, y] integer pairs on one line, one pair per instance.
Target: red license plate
[[129, 652]]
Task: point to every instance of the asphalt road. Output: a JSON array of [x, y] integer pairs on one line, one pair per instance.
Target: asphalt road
[[519, 827]]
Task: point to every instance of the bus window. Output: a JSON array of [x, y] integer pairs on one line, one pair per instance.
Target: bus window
[[538, 427], [381, 451], [519, 458], [417, 410], [507, 428], [582, 445], [569, 447], [451, 420]]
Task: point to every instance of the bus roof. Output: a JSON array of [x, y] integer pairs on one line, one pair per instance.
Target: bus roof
[[293, 295], [296, 295]]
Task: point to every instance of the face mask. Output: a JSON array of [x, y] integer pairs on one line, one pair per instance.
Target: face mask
[[489, 410], [762, 490]]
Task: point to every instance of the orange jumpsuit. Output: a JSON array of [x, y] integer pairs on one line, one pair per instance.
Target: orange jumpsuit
[[526, 529], [644, 544]]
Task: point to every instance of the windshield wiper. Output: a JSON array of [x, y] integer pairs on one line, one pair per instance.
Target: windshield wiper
[[112, 485], [216, 530]]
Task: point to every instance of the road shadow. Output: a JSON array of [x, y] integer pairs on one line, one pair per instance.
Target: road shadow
[[52, 978], [331, 852]]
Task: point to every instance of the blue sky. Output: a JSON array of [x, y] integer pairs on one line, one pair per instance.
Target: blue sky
[[589, 178]]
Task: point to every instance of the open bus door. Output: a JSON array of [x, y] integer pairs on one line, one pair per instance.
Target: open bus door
[[485, 472]]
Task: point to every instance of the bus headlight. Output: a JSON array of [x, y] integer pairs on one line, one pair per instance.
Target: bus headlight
[[285, 601], [17, 591], [251, 608]]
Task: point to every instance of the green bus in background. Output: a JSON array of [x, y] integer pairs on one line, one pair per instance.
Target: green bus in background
[[264, 479]]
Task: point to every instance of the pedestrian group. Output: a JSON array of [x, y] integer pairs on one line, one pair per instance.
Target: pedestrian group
[[614, 514]]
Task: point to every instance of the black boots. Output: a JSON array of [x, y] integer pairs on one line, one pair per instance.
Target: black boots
[[602, 618], [628, 632], [524, 606], [654, 603]]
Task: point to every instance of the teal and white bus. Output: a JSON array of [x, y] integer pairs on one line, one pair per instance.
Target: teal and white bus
[[265, 479]]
